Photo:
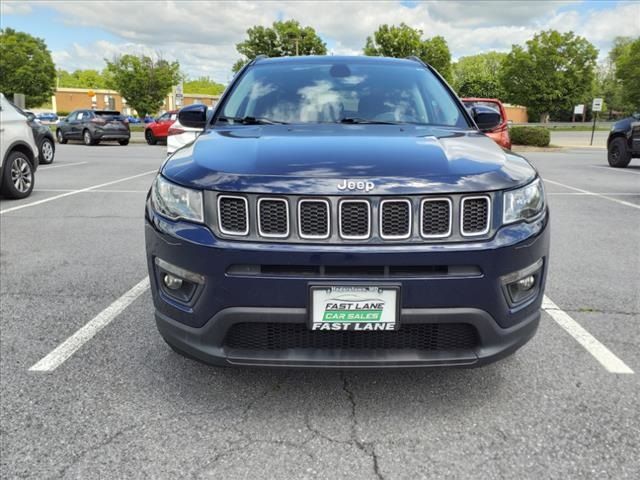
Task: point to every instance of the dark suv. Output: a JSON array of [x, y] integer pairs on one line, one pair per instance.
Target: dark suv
[[345, 212], [94, 126], [623, 143]]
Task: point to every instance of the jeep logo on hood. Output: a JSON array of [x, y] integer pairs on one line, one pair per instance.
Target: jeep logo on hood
[[356, 185]]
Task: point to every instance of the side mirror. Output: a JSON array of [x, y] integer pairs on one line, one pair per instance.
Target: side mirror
[[193, 116], [31, 117], [486, 118]]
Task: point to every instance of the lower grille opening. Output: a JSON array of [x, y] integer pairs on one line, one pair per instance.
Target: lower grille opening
[[283, 336], [345, 271]]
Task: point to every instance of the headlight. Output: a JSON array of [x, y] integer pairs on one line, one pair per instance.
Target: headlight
[[524, 203], [174, 201]]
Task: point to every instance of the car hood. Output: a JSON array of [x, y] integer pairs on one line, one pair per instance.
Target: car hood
[[314, 159]]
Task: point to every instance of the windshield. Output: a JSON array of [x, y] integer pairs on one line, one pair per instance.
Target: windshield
[[341, 92]]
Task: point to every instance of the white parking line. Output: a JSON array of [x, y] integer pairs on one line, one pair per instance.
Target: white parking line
[[67, 348], [580, 194], [587, 192], [601, 353], [91, 191], [49, 167], [619, 170], [73, 192]]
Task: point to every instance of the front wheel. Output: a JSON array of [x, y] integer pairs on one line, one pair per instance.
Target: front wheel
[[17, 181], [60, 137], [47, 151], [150, 137], [123, 142], [618, 154]]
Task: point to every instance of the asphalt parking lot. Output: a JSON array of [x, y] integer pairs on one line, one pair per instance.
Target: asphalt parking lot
[[123, 405]]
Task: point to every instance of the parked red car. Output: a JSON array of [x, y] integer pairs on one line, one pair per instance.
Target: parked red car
[[158, 130], [500, 134]]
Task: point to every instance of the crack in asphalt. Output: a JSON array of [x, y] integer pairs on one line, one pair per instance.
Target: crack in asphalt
[[592, 310], [110, 439], [368, 448]]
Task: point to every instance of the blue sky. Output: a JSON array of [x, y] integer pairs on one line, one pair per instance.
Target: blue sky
[[202, 36]]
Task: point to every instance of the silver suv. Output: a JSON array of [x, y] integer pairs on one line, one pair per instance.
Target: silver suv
[[18, 152]]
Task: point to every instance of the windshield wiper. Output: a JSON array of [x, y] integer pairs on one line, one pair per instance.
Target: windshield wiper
[[365, 121], [251, 120]]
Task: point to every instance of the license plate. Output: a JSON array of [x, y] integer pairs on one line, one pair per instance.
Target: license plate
[[359, 308]]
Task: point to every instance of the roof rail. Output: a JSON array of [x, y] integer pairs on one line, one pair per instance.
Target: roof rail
[[416, 59], [259, 57]]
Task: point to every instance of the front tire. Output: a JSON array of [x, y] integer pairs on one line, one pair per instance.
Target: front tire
[[47, 151], [18, 179], [150, 137], [618, 154], [60, 137], [123, 142]]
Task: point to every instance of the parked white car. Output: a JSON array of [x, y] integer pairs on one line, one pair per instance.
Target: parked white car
[[18, 152], [179, 135]]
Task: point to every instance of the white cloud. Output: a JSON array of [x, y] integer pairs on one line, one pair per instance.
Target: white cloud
[[202, 35], [14, 8]]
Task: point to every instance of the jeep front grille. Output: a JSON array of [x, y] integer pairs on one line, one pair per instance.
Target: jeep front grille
[[350, 220]]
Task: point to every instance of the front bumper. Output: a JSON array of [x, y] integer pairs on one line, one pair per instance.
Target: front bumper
[[200, 327]]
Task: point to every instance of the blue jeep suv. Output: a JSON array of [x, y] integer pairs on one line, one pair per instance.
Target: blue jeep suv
[[345, 212]]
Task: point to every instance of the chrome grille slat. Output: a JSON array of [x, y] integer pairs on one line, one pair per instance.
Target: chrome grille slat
[[354, 219], [273, 217], [435, 217], [475, 219], [233, 215], [314, 221], [395, 219]]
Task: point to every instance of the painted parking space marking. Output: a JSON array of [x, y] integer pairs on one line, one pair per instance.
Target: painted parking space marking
[[49, 190], [606, 357], [67, 348], [617, 170], [49, 167], [580, 194], [587, 192], [74, 192]]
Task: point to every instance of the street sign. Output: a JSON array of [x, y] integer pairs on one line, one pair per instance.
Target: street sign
[[578, 109], [596, 106]]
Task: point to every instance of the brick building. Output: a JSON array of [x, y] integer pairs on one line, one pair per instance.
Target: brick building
[[66, 100]]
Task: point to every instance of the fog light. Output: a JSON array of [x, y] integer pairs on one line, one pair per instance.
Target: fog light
[[526, 283], [522, 285], [171, 282]]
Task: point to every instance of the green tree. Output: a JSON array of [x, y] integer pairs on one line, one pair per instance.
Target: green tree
[[607, 85], [628, 72], [478, 75], [435, 52], [81, 79], [203, 85], [401, 41], [554, 73], [285, 38], [26, 67], [142, 80]]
